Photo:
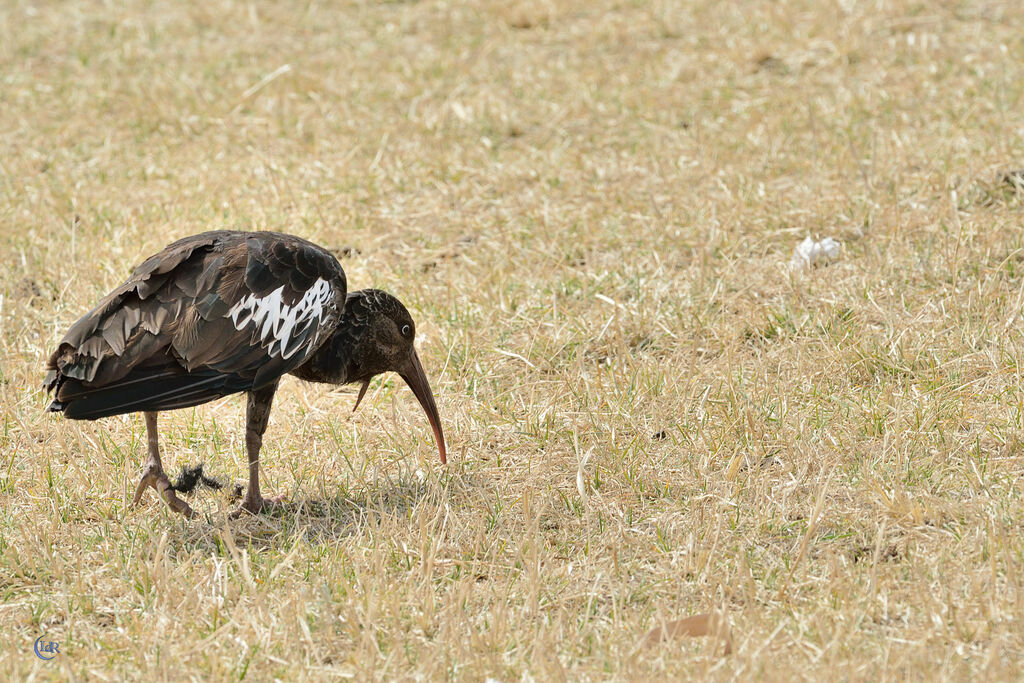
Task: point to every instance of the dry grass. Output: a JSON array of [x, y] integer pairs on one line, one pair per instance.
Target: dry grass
[[587, 206]]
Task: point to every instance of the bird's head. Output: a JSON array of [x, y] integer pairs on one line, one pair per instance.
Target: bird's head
[[378, 334]]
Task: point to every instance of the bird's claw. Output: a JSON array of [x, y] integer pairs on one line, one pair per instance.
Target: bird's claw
[[255, 506], [153, 476]]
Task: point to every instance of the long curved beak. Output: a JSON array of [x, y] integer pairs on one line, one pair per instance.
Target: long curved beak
[[417, 381]]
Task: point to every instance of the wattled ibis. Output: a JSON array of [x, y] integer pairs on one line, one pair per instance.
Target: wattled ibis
[[224, 312]]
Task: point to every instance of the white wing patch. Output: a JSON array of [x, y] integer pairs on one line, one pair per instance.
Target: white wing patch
[[276, 323]]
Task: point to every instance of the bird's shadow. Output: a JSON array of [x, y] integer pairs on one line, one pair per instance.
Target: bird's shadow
[[320, 520]]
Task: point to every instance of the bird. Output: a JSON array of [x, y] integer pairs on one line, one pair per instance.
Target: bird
[[225, 312]]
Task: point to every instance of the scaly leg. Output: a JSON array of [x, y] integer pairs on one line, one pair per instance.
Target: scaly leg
[[153, 473], [257, 414]]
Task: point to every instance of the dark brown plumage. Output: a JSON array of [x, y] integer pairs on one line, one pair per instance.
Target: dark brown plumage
[[224, 312]]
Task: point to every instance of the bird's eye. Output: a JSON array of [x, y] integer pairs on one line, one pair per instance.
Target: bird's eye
[[406, 330]]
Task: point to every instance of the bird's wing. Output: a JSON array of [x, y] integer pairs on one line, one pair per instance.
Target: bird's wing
[[209, 315]]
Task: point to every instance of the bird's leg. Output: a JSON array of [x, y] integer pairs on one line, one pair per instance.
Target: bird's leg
[[153, 473], [257, 415]]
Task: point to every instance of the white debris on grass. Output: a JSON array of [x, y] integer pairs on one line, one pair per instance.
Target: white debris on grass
[[814, 253]]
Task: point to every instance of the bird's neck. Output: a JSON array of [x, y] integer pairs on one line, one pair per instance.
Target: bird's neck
[[330, 364]]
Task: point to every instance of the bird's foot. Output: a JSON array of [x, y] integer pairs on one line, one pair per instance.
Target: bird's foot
[[255, 506], [153, 476]]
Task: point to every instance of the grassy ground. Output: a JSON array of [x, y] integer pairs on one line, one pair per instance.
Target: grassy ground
[[589, 208]]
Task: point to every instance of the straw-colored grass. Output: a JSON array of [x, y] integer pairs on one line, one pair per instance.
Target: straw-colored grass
[[589, 208]]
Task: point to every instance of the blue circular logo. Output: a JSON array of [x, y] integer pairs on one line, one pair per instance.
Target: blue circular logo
[[47, 648]]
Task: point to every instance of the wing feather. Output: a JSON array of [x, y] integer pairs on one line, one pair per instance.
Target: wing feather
[[209, 315]]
